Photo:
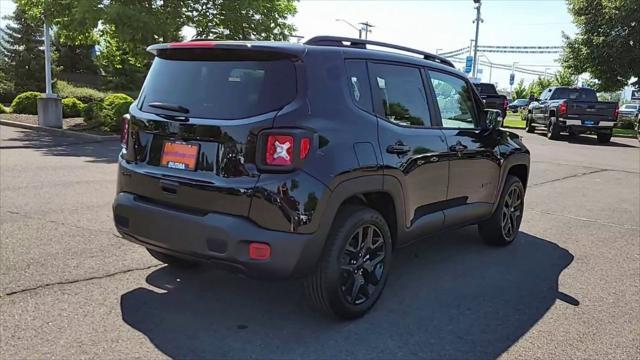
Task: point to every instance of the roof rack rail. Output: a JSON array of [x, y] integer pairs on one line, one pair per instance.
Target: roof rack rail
[[362, 44]]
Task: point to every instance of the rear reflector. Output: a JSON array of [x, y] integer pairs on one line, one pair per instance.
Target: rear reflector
[[279, 150], [193, 44], [259, 251], [305, 145], [124, 135]]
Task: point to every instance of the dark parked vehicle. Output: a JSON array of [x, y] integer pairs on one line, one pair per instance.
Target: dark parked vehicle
[[574, 110], [315, 160], [491, 98], [518, 104]]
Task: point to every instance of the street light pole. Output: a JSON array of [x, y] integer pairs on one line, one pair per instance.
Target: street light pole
[[478, 20], [490, 65]]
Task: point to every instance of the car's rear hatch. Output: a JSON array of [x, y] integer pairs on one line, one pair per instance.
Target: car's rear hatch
[[192, 134]]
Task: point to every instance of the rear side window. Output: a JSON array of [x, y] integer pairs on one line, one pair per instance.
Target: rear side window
[[358, 84], [401, 94], [489, 89], [220, 89], [455, 101]]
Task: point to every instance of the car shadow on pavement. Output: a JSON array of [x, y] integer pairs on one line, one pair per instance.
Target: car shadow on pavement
[[587, 140], [53, 144], [448, 297]]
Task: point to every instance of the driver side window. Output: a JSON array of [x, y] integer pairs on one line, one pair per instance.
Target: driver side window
[[455, 101]]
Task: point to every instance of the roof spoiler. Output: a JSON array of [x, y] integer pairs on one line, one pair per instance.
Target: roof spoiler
[[362, 44]]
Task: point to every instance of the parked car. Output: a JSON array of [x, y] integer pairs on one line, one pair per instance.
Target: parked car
[[492, 99], [518, 104], [574, 110], [313, 160], [629, 111]]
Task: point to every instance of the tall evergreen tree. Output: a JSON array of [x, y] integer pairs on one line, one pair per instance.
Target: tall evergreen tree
[[21, 52]]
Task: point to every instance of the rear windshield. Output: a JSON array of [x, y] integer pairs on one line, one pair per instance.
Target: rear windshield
[[489, 89], [219, 89], [574, 94], [630, 107], [520, 101]]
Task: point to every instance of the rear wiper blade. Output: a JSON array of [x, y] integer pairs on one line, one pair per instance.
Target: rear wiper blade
[[170, 107]]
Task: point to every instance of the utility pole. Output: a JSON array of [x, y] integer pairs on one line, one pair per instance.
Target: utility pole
[[365, 27], [490, 65], [478, 20]]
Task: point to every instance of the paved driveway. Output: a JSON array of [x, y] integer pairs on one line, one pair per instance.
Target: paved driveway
[[569, 288]]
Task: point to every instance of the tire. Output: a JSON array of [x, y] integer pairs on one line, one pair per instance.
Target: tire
[[330, 286], [604, 138], [553, 131], [493, 230], [171, 260], [530, 128]]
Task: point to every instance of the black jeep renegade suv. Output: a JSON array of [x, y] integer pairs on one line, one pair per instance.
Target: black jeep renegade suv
[[313, 160]]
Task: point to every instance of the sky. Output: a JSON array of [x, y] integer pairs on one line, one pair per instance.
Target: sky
[[441, 24]]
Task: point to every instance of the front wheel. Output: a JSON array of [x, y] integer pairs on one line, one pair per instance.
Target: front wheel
[[530, 128], [503, 226], [353, 270]]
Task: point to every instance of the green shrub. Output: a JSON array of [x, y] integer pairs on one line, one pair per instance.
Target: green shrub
[[114, 99], [84, 94], [72, 107], [115, 106], [26, 103], [92, 113], [626, 124], [3, 110]]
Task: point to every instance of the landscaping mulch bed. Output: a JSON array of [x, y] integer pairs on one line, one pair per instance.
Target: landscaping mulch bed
[[71, 124]]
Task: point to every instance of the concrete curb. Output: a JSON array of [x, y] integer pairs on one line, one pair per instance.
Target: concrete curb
[[59, 131], [614, 135]]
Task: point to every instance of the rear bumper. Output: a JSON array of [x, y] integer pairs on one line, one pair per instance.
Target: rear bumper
[[216, 238], [579, 125]]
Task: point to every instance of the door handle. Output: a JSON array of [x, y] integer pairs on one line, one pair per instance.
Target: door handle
[[398, 148], [459, 147]]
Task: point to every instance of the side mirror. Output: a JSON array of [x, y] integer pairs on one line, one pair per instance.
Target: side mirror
[[493, 119]]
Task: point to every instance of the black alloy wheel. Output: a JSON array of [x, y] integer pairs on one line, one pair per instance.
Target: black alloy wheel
[[362, 264]]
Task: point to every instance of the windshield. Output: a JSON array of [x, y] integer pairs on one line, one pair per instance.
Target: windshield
[[630, 107], [520, 102], [489, 89], [218, 89], [575, 94]]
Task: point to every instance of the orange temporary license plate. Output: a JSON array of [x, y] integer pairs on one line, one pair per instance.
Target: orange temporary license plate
[[179, 155]]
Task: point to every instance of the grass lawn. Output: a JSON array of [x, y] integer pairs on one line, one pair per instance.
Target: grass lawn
[[513, 121]]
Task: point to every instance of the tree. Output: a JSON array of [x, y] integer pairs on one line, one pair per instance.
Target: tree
[[21, 55], [607, 45], [124, 28], [520, 91], [241, 19], [564, 78], [537, 86]]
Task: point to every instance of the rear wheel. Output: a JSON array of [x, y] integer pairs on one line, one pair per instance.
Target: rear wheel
[[553, 130], [171, 260], [604, 137], [353, 270], [502, 228]]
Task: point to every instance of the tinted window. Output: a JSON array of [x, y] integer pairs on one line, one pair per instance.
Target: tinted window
[[401, 92], [358, 83], [574, 94], [489, 89], [454, 100], [220, 89]]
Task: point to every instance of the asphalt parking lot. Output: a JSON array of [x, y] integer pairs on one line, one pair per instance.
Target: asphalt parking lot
[[569, 287]]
